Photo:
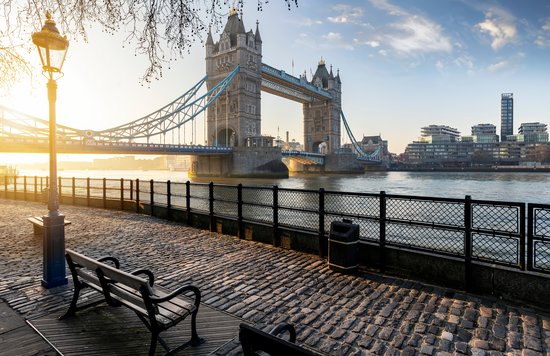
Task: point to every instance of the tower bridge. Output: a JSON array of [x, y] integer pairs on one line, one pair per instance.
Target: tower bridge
[[235, 77]]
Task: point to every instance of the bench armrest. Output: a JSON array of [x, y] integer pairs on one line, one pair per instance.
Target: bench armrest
[[179, 291], [149, 274], [111, 259], [281, 328]]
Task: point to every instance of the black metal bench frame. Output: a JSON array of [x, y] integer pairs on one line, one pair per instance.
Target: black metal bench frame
[[254, 340], [157, 307]]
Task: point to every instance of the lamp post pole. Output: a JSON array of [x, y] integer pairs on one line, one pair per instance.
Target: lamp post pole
[[54, 223], [52, 48]]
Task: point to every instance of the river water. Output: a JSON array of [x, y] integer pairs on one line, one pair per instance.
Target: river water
[[501, 186]]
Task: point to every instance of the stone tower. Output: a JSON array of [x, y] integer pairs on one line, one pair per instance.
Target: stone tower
[[322, 117], [236, 114]]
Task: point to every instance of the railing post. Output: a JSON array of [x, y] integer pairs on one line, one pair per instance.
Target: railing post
[[382, 239], [35, 188], [240, 226], [468, 243], [6, 178], [88, 191], [137, 195], [24, 187], [211, 206], [322, 241], [530, 233], [121, 193], [131, 190], [59, 190], [522, 237], [104, 193], [74, 190], [188, 201], [151, 195], [275, 215], [15, 187], [169, 199]]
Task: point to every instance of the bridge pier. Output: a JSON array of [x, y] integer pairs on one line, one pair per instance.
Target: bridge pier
[[249, 162]]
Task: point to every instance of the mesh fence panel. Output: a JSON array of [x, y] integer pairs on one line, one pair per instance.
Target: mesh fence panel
[[178, 195], [299, 219], [429, 238], [499, 249], [495, 217], [428, 211], [358, 205], [541, 253], [541, 232], [225, 193], [542, 223], [262, 196], [304, 200], [258, 213]]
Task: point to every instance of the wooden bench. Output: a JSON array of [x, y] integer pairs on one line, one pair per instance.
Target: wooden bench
[[38, 224], [158, 307], [254, 340]]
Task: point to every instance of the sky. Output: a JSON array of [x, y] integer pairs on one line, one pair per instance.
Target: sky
[[403, 64]]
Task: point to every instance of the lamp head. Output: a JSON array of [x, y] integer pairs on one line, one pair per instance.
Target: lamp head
[[52, 47]]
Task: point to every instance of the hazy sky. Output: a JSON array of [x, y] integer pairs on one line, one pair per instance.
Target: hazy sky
[[403, 64]]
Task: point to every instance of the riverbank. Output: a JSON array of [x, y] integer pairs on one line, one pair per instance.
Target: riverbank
[[334, 313], [504, 169]]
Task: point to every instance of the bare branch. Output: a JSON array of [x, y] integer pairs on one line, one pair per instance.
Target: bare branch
[[154, 26]]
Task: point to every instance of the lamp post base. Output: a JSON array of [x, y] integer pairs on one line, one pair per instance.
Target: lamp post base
[[54, 273]]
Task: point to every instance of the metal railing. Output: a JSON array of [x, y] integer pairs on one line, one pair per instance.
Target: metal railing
[[479, 231]]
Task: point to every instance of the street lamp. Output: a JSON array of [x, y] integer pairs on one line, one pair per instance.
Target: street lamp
[[52, 48]]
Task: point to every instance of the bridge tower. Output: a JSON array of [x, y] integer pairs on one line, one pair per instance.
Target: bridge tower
[[236, 114], [322, 117]]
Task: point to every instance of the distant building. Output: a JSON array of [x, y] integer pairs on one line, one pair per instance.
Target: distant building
[[535, 132], [480, 149], [439, 134], [372, 143], [506, 115], [483, 133]]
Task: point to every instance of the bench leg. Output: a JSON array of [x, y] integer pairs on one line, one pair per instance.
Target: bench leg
[[72, 307], [195, 339], [153, 346], [37, 229]]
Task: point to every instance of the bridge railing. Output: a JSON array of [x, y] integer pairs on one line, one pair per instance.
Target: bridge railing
[[508, 234]]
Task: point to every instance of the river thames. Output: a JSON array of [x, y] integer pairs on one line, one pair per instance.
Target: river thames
[[515, 187]]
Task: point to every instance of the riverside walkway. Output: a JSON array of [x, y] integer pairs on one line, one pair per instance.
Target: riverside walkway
[[263, 285]]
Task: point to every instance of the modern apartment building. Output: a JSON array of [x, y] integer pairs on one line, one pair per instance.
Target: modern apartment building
[[533, 132], [506, 115], [439, 134]]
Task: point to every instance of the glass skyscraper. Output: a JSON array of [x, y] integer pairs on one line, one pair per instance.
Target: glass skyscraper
[[506, 115]]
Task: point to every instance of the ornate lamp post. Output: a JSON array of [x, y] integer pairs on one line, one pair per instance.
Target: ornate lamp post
[[52, 48]]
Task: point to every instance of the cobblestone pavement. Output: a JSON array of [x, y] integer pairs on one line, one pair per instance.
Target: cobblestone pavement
[[334, 313]]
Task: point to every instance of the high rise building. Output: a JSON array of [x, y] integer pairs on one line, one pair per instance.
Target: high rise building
[[506, 115]]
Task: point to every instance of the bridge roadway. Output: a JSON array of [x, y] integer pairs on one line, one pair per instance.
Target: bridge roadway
[[31, 145], [40, 145]]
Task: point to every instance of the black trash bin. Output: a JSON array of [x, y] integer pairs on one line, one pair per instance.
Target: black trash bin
[[343, 246]]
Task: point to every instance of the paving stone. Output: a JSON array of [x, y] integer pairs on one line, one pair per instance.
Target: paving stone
[[447, 336], [426, 349], [532, 343], [462, 347], [477, 352]]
